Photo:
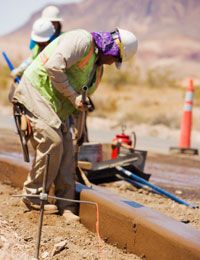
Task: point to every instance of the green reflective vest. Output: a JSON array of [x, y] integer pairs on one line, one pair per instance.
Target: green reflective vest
[[35, 52], [78, 75]]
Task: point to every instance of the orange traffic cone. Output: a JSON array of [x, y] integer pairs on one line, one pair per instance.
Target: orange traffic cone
[[186, 123]]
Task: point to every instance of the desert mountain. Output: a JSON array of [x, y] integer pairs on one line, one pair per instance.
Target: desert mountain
[[168, 31]]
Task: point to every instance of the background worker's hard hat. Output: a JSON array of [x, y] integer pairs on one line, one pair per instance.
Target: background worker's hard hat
[[42, 30], [129, 45], [52, 13]]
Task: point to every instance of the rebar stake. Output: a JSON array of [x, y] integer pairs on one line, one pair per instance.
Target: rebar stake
[[43, 198]]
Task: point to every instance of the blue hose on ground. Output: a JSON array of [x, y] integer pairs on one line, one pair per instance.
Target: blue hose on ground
[[154, 187]]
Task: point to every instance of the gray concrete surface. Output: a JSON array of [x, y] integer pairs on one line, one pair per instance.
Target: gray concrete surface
[[153, 144]]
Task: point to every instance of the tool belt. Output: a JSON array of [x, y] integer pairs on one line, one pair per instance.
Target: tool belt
[[23, 128]]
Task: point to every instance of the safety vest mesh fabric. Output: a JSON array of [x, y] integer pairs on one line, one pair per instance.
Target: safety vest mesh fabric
[[77, 75], [35, 51]]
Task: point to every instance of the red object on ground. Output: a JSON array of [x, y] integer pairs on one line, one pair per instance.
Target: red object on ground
[[117, 141], [186, 123]]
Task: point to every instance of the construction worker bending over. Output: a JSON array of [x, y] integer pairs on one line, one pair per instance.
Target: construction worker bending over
[[50, 90]]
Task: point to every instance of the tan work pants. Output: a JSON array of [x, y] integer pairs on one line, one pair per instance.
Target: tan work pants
[[61, 171]]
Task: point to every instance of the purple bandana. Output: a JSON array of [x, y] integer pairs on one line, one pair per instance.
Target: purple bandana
[[106, 43]]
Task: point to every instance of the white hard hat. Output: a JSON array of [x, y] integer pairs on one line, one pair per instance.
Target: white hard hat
[[52, 13], [42, 30], [128, 47]]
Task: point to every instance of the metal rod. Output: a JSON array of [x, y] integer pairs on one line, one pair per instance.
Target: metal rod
[[154, 187], [76, 201], [83, 114], [42, 202], [54, 197]]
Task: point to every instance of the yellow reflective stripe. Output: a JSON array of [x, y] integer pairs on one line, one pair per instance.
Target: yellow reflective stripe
[[119, 44]]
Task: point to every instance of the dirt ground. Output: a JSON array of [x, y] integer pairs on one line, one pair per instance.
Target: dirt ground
[[18, 227], [18, 233]]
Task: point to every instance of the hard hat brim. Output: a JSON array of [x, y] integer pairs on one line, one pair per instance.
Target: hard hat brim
[[54, 19], [36, 38]]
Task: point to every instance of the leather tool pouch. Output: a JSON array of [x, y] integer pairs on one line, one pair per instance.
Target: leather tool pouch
[[23, 127]]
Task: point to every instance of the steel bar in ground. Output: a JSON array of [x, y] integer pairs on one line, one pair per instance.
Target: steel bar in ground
[[42, 202]]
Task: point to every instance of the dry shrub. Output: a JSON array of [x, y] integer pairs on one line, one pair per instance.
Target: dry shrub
[[160, 78], [169, 121], [104, 105], [144, 118], [4, 78], [128, 75], [197, 96], [4, 85], [134, 117]]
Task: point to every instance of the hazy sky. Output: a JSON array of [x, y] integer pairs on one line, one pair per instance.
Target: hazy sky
[[14, 13]]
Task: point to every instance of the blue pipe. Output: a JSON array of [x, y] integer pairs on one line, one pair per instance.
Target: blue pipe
[[134, 183], [10, 65], [154, 187]]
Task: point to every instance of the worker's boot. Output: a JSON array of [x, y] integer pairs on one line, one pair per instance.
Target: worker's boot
[[70, 216], [48, 208]]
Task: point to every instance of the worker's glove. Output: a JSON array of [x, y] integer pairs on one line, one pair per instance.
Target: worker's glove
[[79, 104], [16, 73], [81, 140], [91, 106]]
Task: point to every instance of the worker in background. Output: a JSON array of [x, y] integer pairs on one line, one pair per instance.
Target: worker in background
[[42, 34], [39, 37], [50, 90], [52, 14]]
